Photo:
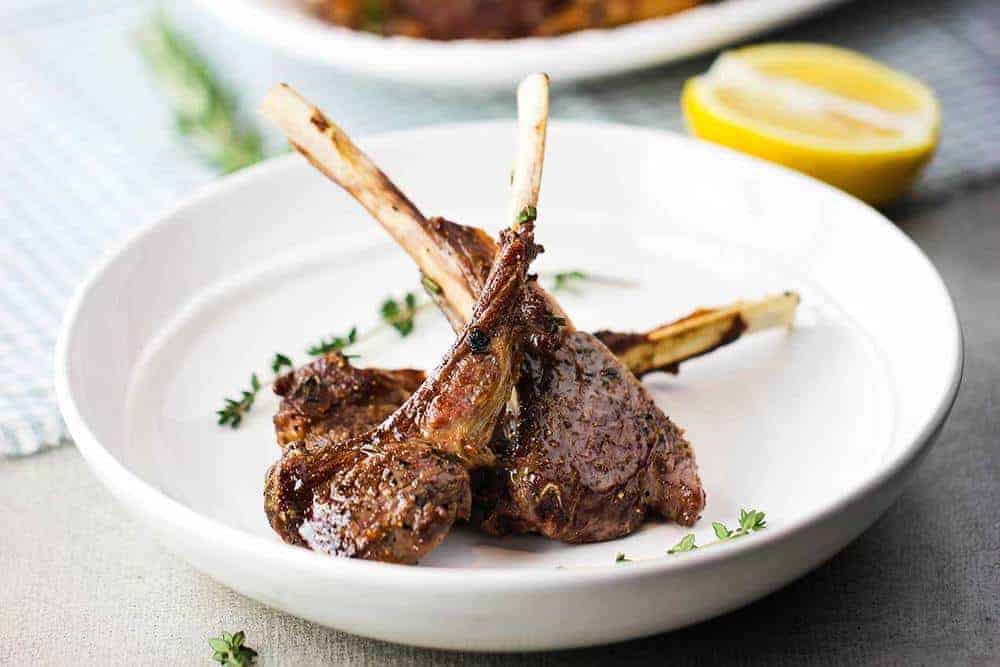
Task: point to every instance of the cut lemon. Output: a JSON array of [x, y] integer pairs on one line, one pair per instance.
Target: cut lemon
[[829, 112]]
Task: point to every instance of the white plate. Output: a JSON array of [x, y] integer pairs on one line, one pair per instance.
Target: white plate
[[480, 63], [819, 427]]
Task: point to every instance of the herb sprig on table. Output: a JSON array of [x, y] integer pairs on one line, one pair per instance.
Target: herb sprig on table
[[231, 650], [205, 112]]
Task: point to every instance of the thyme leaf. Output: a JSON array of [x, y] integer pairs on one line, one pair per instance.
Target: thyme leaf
[[234, 409], [528, 214], [564, 279], [333, 343], [399, 314], [750, 522], [686, 544], [230, 650], [279, 362]]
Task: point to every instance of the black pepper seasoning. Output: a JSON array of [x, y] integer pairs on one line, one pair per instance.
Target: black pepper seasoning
[[479, 340]]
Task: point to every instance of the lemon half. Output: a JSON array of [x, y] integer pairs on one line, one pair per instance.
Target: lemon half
[[828, 112]]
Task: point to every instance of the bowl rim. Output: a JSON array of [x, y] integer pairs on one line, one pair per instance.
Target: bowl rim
[[129, 487]]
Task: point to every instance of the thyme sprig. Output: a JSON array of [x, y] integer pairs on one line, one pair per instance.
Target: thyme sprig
[[205, 113], [234, 410], [563, 279], [399, 314], [334, 343], [750, 522], [570, 279], [279, 362], [231, 651]]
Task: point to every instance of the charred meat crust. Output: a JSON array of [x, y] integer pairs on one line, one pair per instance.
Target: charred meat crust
[[475, 379], [591, 452], [331, 397], [394, 492]]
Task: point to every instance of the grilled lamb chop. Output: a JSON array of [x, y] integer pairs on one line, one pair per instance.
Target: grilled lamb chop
[[329, 396], [393, 493], [587, 452]]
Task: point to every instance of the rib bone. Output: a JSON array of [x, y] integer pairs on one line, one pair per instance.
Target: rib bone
[[456, 258], [701, 332]]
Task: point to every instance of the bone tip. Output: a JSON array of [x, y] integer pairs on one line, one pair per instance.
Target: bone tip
[[534, 84], [272, 100]]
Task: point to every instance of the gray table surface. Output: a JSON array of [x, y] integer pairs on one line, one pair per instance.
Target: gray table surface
[[921, 587]]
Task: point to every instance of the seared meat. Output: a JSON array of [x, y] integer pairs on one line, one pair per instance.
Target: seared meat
[[393, 493], [330, 397], [588, 452], [393, 503]]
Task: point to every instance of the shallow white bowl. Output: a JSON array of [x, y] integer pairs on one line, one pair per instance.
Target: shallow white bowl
[[480, 63], [819, 426]]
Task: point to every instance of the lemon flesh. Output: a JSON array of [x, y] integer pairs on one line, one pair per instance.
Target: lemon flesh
[[831, 113]]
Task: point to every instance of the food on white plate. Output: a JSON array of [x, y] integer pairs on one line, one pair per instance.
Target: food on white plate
[[489, 19], [581, 452]]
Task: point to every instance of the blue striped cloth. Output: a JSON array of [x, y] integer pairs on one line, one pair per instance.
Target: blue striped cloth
[[87, 150]]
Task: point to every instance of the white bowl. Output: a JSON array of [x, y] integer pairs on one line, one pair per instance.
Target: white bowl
[[498, 63], [819, 426]]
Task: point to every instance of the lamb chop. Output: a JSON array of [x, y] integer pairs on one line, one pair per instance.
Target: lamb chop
[[587, 451], [393, 492], [330, 396]]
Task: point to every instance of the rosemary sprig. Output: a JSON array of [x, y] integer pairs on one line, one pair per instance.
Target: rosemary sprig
[[231, 651], [750, 522], [399, 314], [205, 112], [334, 343], [234, 410]]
